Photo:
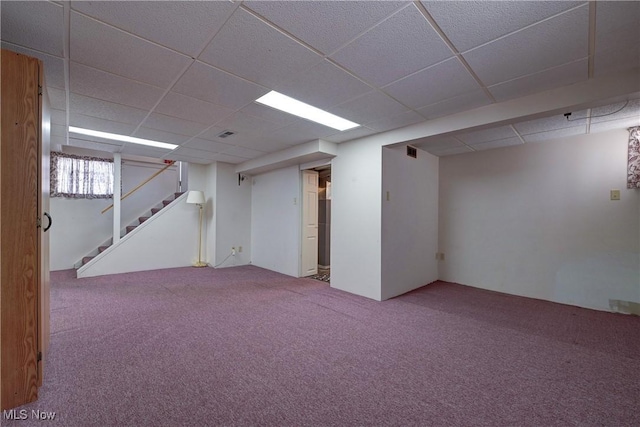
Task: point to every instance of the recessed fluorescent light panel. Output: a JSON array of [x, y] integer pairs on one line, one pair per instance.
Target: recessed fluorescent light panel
[[297, 108], [123, 138]]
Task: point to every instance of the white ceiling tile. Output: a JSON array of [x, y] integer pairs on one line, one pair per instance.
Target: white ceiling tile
[[193, 153], [58, 117], [348, 135], [323, 86], [246, 153], [173, 124], [437, 142], [181, 25], [550, 43], [142, 150], [206, 145], [369, 107], [242, 122], [188, 108], [37, 25], [264, 143], [498, 143], [84, 105], [254, 50], [467, 101], [301, 131], [617, 36], [57, 97], [623, 123], [401, 45], [188, 159], [395, 122], [325, 25], [487, 135], [102, 85], [558, 133], [58, 130], [210, 84], [269, 146], [443, 81], [93, 145], [101, 46], [226, 158], [95, 123], [53, 65], [616, 111], [161, 136], [471, 23], [269, 114], [557, 121], [552, 78], [450, 151]]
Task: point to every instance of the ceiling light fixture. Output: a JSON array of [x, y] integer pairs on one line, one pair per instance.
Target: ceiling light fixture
[[123, 138], [297, 108]]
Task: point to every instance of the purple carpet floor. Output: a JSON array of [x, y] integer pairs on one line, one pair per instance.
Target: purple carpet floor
[[245, 346]]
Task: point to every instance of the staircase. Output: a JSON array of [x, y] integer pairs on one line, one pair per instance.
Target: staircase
[[128, 229]]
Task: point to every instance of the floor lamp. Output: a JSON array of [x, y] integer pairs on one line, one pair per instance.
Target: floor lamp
[[197, 198]]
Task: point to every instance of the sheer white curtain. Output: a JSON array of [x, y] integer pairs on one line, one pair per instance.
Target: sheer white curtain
[[81, 177], [633, 165]]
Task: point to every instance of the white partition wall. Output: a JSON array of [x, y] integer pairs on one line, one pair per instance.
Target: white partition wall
[[356, 175], [409, 220], [275, 220]]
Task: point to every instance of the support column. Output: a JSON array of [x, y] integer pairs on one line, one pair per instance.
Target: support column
[[117, 179]]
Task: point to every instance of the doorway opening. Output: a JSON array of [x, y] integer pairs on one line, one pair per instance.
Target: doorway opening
[[316, 215]]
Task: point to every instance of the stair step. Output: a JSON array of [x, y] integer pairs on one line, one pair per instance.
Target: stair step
[[130, 228], [86, 259], [166, 202], [176, 195], [143, 219], [103, 248], [155, 210]]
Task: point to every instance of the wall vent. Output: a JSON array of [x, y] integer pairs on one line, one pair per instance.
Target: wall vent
[[412, 152], [226, 134]]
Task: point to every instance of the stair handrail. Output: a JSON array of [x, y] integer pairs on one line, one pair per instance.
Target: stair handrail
[[141, 184]]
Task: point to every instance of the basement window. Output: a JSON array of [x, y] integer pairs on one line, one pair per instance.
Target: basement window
[[81, 177]]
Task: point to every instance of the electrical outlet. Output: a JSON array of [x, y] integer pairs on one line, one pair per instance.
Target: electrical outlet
[[239, 249], [440, 256], [615, 194]]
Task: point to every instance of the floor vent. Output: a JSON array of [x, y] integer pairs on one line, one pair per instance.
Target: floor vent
[[412, 152]]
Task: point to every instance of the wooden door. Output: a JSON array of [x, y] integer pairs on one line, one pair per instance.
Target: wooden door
[[46, 223], [19, 232], [309, 223]]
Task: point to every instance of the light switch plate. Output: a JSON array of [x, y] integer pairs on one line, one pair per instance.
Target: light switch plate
[[615, 194]]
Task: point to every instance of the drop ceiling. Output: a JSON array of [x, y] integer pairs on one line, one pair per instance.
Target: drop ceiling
[[184, 72]]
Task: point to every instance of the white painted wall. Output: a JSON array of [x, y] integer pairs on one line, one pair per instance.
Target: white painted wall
[[536, 220], [409, 221], [275, 220], [232, 217], [356, 178], [80, 228], [168, 240]]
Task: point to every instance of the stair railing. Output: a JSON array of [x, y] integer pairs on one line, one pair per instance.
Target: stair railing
[[143, 183]]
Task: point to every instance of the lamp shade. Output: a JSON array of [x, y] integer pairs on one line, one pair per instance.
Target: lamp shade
[[195, 197]]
